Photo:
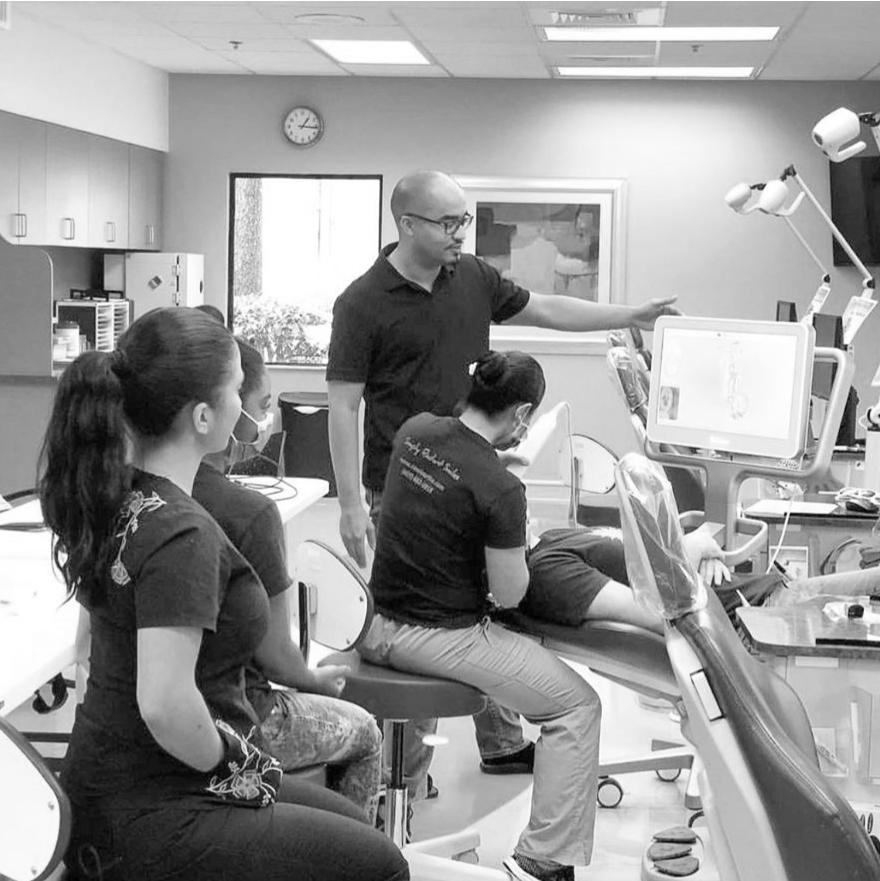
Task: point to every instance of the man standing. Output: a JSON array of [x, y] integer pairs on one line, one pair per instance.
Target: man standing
[[403, 336]]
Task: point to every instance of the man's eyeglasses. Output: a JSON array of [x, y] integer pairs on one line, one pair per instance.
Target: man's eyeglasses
[[449, 225]]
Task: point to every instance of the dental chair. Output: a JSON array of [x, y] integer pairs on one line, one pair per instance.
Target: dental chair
[[771, 814], [34, 813], [335, 611], [625, 654], [629, 368]]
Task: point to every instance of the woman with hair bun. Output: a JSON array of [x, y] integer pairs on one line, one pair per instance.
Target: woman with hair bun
[[166, 770], [451, 547]]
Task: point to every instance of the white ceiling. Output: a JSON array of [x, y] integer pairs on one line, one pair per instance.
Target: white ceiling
[[835, 40]]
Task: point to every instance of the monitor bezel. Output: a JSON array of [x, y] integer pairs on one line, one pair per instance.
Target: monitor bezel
[[740, 444]]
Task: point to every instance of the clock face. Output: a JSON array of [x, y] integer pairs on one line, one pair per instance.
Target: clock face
[[303, 126]]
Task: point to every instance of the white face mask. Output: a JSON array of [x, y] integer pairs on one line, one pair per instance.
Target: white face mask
[[264, 429], [519, 432]]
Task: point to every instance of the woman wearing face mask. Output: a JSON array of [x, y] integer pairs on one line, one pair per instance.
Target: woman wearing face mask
[[166, 771], [451, 545], [305, 723]]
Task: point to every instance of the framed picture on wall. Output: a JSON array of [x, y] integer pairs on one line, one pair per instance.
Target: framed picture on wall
[[553, 236]]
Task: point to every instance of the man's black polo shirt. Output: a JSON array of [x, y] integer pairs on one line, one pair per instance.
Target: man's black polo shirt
[[411, 348]]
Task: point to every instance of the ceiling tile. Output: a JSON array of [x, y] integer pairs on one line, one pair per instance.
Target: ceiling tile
[[230, 30], [714, 54], [202, 11], [287, 43], [462, 15], [187, 62], [498, 67], [718, 13], [396, 70], [453, 34], [284, 63]]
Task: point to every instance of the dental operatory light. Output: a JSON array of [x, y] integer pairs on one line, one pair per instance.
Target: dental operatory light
[[769, 198], [836, 134]]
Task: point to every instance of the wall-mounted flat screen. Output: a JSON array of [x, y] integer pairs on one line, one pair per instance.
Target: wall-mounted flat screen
[[855, 208], [732, 386]]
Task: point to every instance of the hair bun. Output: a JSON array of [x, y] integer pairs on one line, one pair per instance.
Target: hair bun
[[491, 367]]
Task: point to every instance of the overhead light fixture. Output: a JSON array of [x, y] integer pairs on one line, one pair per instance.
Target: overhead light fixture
[[645, 72], [660, 34], [372, 51]]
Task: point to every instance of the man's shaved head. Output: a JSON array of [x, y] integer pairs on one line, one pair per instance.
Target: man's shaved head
[[426, 193]]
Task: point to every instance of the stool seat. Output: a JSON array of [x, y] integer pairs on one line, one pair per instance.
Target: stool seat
[[393, 695]]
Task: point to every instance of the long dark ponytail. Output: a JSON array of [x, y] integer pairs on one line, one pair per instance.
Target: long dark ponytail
[[84, 475], [166, 359]]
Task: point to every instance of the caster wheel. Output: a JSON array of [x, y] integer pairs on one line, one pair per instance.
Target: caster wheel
[[669, 776], [694, 818], [610, 793], [467, 856]]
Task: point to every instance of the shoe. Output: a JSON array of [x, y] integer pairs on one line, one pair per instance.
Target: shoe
[[523, 868], [432, 791], [520, 762]]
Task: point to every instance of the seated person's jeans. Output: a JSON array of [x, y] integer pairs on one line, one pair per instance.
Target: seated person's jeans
[[522, 675]]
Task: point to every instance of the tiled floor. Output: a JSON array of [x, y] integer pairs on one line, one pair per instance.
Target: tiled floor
[[498, 807]]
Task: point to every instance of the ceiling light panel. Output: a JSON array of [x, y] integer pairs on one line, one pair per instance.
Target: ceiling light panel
[[372, 51], [647, 72], [659, 35]]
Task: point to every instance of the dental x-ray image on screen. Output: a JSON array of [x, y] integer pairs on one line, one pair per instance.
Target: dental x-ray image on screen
[[732, 386]]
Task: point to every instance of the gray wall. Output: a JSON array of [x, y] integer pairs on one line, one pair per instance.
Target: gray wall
[[680, 146]]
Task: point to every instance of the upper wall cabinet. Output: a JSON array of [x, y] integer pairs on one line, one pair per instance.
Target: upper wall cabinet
[[22, 179], [59, 186], [146, 169], [108, 193], [67, 187]]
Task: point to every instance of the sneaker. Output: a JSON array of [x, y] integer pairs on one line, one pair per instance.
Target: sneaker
[[524, 868], [520, 762], [432, 791]]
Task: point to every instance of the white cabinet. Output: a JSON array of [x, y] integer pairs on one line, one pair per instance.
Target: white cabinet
[[22, 179], [108, 193], [67, 187], [59, 186], [146, 168]]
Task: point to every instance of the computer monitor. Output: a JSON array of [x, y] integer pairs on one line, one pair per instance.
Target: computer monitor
[[731, 386]]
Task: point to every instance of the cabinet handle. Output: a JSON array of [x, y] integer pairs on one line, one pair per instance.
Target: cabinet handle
[[68, 228], [151, 234], [20, 226], [110, 231]]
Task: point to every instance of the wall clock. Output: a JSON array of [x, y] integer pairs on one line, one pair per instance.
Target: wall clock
[[303, 126]]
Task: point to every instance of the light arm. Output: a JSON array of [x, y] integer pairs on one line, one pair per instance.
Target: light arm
[[867, 278]]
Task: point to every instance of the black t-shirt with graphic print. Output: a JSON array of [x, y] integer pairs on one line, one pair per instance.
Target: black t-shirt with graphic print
[[447, 497], [174, 567], [252, 523]]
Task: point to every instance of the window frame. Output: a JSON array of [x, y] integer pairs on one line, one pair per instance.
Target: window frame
[[230, 223]]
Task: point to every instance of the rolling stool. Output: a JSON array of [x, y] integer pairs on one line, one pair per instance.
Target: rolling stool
[[335, 610]]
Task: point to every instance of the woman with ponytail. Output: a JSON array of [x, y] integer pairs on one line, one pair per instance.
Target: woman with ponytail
[[166, 771], [451, 547]]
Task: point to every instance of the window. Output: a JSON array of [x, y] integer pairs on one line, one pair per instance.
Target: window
[[296, 242]]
